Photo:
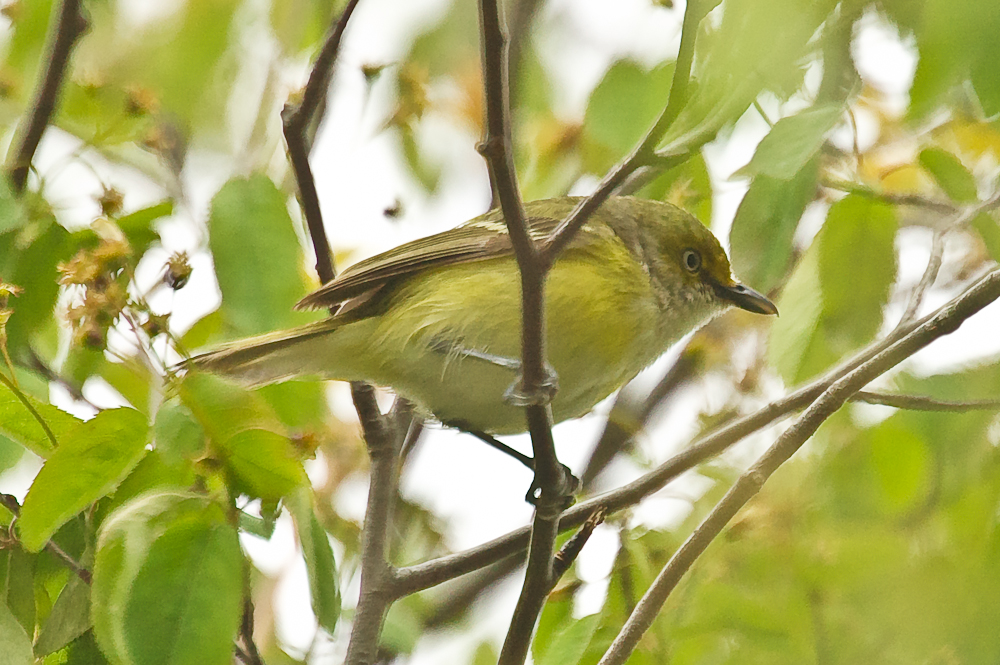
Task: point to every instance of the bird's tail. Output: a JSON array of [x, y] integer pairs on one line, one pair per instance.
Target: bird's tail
[[304, 351]]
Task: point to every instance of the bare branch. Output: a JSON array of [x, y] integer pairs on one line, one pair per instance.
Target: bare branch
[[945, 321], [644, 153], [67, 27], [431, 573], [571, 549], [296, 122], [924, 403]]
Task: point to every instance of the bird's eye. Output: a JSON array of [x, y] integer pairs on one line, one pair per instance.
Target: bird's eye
[[692, 260]]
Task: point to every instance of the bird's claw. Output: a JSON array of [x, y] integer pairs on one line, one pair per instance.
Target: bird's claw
[[569, 485], [517, 395]]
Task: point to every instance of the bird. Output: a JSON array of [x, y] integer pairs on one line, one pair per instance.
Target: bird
[[438, 319]]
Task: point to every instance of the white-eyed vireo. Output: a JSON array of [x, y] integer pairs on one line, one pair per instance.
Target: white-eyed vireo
[[438, 319]]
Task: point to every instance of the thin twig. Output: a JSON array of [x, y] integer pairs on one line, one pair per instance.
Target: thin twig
[[249, 654], [961, 218], [296, 120], [928, 278], [10, 503], [644, 153], [924, 403], [67, 27], [915, 200], [571, 549], [30, 407], [945, 321]]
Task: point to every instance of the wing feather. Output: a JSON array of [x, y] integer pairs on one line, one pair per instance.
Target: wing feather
[[481, 238]]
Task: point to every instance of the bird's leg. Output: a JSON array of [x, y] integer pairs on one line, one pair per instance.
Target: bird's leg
[[515, 394], [572, 482]]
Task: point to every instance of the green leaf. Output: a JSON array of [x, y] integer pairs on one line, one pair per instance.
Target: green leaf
[[258, 259], [950, 174], [857, 266], [792, 333], [19, 586], [902, 463], [833, 301], [14, 643], [88, 464], [263, 464], [792, 142], [569, 644], [989, 232], [765, 223], [20, 425], [178, 436], [69, 619], [12, 215], [167, 582], [224, 408], [324, 585], [621, 109]]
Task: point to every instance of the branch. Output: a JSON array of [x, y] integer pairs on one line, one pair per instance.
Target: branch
[[945, 321], [296, 120], [10, 503], [66, 29], [536, 385], [924, 403], [961, 218], [431, 573], [383, 440], [645, 152], [377, 576]]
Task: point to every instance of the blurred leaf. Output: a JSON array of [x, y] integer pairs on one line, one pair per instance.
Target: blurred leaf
[[621, 109], [569, 645], [258, 259], [263, 464], [20, 425], [84, 651], [14, 642], [224, 408], [989, 231], [176, 433], [794, 333], [154, 471], [321, 568], [138, 226], [792, 142], [833, 301], [246, 434], [167, 582], [299, 404], [765, 223], [19, 586], [69, 619], [557, 613], [902, 462], [953, 38], [300, 24], [35, 272], [12, 215], [687, 186], [857, 266], [89, 463], [742, 55], [950, 174]]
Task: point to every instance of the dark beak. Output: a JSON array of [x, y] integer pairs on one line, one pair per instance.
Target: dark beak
[[746, 298]]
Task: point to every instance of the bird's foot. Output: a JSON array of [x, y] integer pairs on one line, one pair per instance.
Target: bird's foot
[[518, 395]]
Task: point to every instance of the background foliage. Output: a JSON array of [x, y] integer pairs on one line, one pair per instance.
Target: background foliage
[[878, 543]]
